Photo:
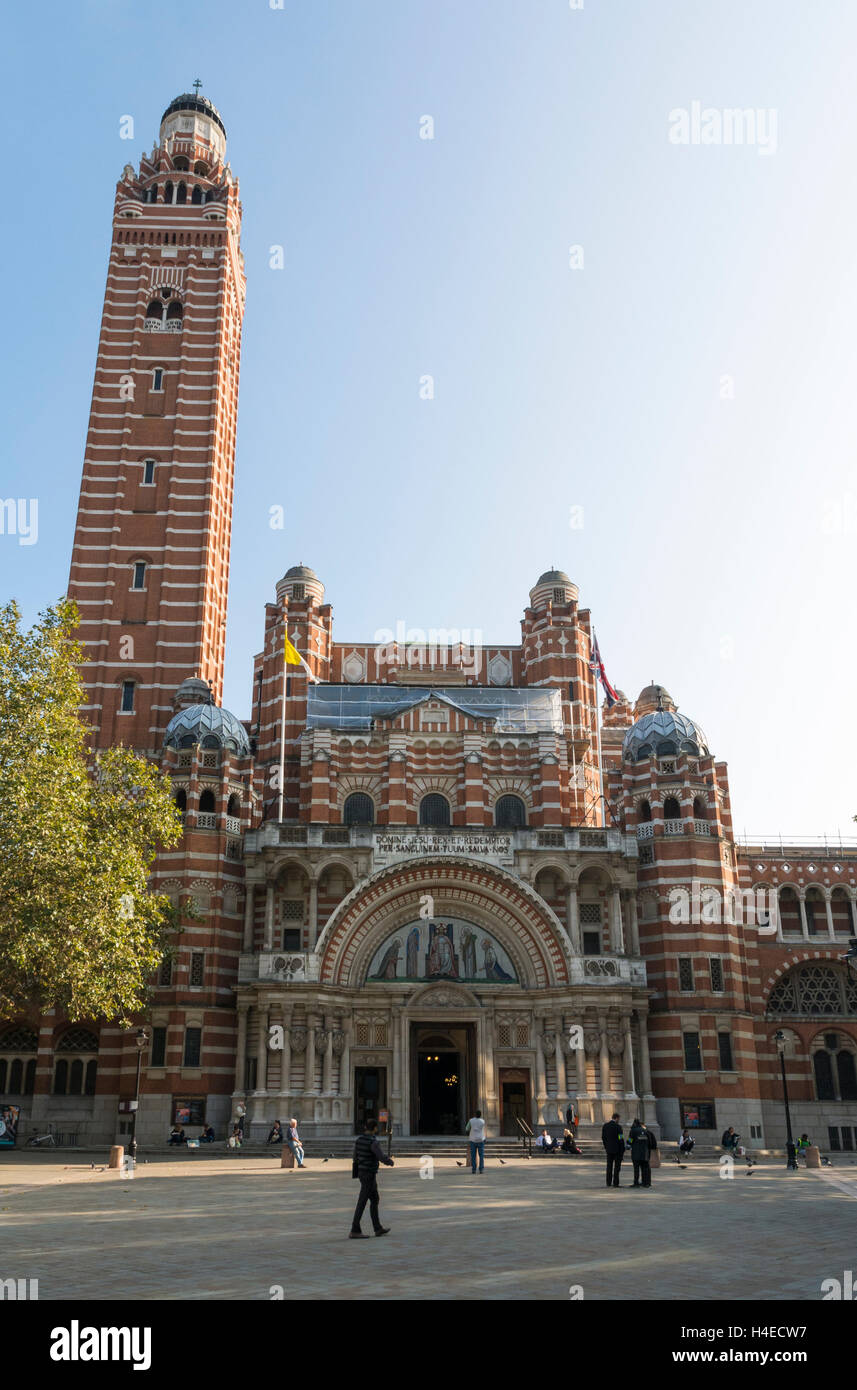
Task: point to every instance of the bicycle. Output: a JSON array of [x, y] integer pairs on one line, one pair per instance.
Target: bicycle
[[38, 1141]]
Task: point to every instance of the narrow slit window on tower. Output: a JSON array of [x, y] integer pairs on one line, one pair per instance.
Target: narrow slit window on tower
[[127, 704], [148, 472], [139, 580], [158, 379]]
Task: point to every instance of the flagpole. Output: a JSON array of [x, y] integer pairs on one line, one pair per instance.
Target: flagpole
[[282, 739], [600, 764]]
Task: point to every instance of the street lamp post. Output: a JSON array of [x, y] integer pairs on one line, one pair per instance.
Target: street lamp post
[[791, 1160], [141, 1038]]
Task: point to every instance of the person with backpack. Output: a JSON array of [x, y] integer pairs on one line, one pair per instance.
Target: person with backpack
[[368, 1154], [642, 1142]]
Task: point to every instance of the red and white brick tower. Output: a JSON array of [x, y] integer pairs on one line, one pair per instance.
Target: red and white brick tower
[[150, 564]]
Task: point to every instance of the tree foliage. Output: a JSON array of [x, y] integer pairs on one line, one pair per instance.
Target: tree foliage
[[80, 928]]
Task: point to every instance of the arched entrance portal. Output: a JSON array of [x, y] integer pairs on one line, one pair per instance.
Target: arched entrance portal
[[443, 1068]]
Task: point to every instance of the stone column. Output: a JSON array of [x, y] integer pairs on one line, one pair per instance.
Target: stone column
[[249, 915], [313, 913], [831, 930], [396, 1042], [345, 1059], [309, 1074], [327, 1060], [803, 922], [628, 1057], [241, 1045], [286, 1066], [617, 942], [645, 1065], [262, 1047], [573, 920], [541, 1079], [268, 944], [604, 1056], [405, 1101], [633, 924], [561, 1083]]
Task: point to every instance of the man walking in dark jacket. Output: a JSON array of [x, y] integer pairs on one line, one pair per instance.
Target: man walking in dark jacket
[[614, 1147], [367, 1155]]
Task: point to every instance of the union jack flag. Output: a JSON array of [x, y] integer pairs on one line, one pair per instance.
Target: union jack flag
[[597, 665]]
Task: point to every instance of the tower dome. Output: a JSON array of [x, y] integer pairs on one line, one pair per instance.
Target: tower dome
[[554, 586], [193, 691], [663, 733], [209, 726], [300, 582], [194, 119], [652, 698]]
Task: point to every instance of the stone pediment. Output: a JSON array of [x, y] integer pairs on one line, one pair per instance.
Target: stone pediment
[[443, 997]]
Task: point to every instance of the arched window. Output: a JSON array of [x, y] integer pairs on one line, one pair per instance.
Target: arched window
[[434, 810], [206, 800], [510, 813], [815, 990], [824, 1087], [358, 809], [168, 192], [233, 807], [847, 1075], [76, 1077], [155, 310], [672, 809], [201, 169], [209, 195], [700, 809], [157, 378], [181, 193], [180, 798], [196, 195], [645, 812], [181, 165], [174, 311], [16, 1076]]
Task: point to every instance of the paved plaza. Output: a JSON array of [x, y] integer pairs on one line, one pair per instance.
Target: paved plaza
[[234, 1228]]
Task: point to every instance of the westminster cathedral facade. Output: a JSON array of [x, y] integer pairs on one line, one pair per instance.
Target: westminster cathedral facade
[[413, 879]]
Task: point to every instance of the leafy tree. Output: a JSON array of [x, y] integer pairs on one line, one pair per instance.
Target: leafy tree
[[80, 929]]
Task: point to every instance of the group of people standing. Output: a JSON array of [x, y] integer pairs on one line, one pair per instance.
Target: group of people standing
[[642, 1144]]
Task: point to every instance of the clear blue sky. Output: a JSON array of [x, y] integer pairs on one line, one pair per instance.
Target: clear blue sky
[[718, 538]]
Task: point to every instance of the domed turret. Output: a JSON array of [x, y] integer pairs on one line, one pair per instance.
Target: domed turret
[[194, 119], [300, 582], [209, 726], [554, 586], [193, 691], [652, 698], [660, 731]]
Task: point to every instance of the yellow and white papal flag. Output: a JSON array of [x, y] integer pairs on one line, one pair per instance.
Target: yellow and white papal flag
[[294, 658]]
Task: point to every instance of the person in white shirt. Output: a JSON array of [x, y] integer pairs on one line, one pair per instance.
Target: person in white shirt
[[476, 1129]]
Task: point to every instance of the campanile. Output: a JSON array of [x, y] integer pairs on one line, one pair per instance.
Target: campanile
[[150, 565]]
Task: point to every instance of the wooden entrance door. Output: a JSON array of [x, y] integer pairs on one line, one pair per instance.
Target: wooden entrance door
[[515, 1100]]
